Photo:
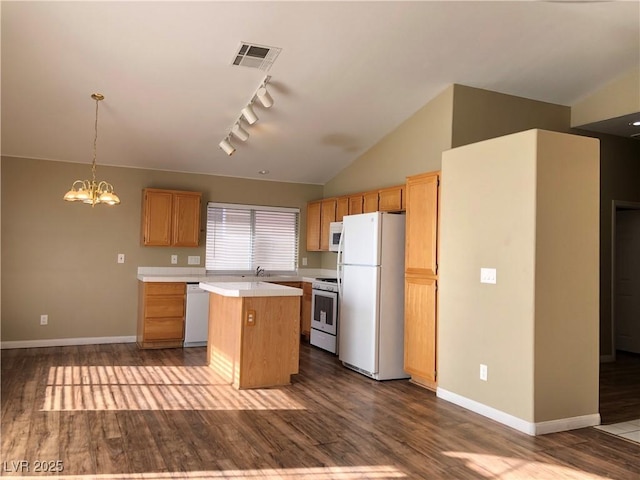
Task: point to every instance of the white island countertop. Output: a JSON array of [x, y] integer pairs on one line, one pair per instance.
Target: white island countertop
[[250, 289]]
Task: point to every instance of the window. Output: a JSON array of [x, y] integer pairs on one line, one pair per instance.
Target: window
[[241, 238]]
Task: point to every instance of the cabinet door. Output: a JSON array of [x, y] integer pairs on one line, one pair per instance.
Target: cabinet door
[[390, 199], [305, 317], [342, 208], [422, 225], [156, 218], [370, 202], [355, 204], [327, 215], [313, 226], [420, 329], [186, 219]]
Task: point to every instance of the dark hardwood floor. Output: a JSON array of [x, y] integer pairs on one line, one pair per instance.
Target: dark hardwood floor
[[620, 389], [113, 411]]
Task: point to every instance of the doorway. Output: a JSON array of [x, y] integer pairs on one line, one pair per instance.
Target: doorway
[[625, 275]]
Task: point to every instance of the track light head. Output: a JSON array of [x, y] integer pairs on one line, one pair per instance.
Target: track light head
[[226, 146], [239, 132], [265, 98], [249, 115]]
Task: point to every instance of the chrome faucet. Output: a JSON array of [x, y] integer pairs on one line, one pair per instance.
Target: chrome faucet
[[259, 272]]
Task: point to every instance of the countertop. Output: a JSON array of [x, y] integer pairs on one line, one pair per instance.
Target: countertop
[[250, 289], [197, 275]]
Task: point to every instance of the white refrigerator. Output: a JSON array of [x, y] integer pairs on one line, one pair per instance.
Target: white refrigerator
[[371, 295]]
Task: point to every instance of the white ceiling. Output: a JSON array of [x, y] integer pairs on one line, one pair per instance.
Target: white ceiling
[[348, 74]]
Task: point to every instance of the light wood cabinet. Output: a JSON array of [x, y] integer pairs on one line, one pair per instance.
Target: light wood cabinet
[[342, 208], [327, 215], [254, 342], [305, 316], [422, 225], [313, 225], [355, 204], [170, 218], [390, 199], [320, 213], [420, 329], [421, 278], [370, 202], [161, 314]]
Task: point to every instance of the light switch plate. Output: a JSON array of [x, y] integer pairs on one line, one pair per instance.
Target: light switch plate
[[488, 275], [121, 258], [193, 260], [174, 259]]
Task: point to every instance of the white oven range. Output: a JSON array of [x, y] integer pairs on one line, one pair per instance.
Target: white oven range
[[324, 314]]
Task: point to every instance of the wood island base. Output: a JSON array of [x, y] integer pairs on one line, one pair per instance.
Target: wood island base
[[254, 342]]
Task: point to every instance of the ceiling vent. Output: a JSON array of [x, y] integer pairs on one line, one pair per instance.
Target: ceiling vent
[[256, 56]]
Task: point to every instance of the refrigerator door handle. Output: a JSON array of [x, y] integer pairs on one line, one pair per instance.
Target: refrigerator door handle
[[339, 262]]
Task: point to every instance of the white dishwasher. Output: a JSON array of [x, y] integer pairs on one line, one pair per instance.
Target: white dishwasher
[[197, 316]]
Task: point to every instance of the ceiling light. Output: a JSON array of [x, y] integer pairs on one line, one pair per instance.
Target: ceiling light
[[636, 123], [249, 115], [263, 95], [263, 172], [92, 191], [226, 146], [240, 132]]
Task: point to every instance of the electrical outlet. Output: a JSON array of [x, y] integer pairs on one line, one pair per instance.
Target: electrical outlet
[[174, 259], [44, 319], [304, 261], [488, 275], [483, 372], [193, 260], [121, 258], [251, 318]]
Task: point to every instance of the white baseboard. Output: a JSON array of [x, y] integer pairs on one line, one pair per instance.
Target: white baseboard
[[564, 424], [63, 342], [540, 428]]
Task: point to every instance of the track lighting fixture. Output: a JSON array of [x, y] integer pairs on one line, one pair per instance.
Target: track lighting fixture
[[226, 146], [248, 115], [239, 132], [263, 95]]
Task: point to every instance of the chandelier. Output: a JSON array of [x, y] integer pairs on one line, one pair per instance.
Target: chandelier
[[92, 191]]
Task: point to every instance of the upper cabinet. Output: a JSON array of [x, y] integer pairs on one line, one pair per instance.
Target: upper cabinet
[[313, 225], [422, 224], [327, 215], [391, 199], [342, 208], [320, 213], [170, 218]]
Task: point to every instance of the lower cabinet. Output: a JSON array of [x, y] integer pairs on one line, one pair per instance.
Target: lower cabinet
[[420, 312], [305, 315], [305, 305], [161, 314]]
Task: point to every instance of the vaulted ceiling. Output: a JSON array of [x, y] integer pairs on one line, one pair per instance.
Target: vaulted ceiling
[[348, 73]]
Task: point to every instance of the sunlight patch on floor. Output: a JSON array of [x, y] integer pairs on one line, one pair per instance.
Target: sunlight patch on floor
[[503, 468], [379, 472], [153, 388]]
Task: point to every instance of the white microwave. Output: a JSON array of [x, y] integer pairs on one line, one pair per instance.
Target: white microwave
[[335, 231]]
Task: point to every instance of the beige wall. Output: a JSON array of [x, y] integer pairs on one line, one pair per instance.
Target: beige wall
[[413, 147], [487, 219], [618, 98], [527, 205], [482, 114], [59, 258], [567, 276]]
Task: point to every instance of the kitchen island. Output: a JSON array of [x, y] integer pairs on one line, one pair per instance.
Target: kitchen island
[[254, 332]]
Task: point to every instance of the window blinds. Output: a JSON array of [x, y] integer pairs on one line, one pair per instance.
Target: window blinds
[[241, 238]]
